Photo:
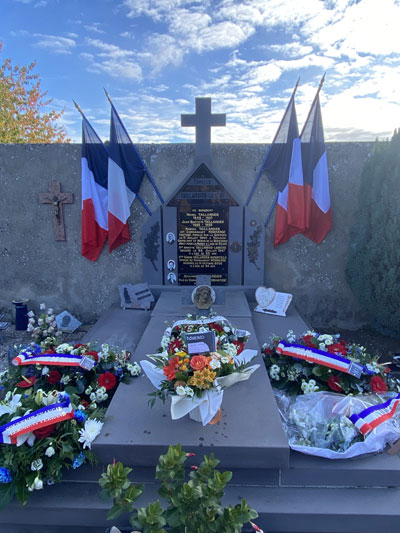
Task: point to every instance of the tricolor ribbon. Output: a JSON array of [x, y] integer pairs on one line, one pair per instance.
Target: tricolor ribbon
[[373, 416], [313, 355], [49, 359], [51, 414]]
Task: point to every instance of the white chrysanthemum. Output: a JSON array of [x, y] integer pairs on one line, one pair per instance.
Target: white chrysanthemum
[[90, 431], [50, 311], [274, 372], [40, 321], [189, 391], [214, 363], [42, 307], [31, 314], [180, 391], [225, 360], [230, 348], [64, 348], [135, 370]]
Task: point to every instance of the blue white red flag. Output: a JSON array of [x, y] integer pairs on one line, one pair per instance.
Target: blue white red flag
[[94, 192], [284, 169], [125, 175], [315, 171]]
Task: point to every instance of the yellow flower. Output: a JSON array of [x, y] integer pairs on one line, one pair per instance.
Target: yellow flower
[[184, 368]]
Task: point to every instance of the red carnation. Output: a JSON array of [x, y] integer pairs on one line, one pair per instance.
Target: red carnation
[[174, 345], [217, 327], [268, 351], [50, 350], [26, 383], [239, 346], [44, 432], [309, 341], [338, 348], [53, 377], [377, 384], [334, 383], [107, 380]]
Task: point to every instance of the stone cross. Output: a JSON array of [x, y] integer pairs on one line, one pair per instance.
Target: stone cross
[[203, 120], [56, 198]]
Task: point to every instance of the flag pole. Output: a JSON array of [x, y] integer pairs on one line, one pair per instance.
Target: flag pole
[[137, 153], [312, 105], [105, 147], [269, 149]]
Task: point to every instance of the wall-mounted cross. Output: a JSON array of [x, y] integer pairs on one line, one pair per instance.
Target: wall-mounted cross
[[203, 120], [57, 198]]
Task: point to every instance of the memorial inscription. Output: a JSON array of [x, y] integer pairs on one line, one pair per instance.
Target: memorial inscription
[[202, 228]]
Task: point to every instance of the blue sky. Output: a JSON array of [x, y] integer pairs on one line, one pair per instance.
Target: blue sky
[[155, 56]]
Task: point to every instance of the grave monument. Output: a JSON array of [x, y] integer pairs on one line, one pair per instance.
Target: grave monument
[[203, 229]]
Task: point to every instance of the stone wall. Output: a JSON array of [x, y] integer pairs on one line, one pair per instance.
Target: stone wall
[[33, 265]]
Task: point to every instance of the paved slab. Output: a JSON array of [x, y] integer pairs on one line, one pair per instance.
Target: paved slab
[[119, 327], [249, 434], [267, 325], [174, 304]]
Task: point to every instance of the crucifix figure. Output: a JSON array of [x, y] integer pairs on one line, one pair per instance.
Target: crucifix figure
[[203, 120], [56, 198]]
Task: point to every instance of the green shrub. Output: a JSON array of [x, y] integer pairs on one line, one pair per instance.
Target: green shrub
[[373, 269], [192, 507]]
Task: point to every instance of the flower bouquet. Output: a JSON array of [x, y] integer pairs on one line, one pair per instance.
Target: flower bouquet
[[315, 362], [335, 426], [195, 381]]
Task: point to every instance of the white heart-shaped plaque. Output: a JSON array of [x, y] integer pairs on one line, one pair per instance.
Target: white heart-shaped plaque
[[265, 296]]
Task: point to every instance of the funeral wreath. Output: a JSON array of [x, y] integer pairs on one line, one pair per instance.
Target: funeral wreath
[[54, 400]]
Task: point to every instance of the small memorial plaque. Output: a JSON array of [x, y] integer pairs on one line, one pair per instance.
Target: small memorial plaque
[[355, 369], [201, 342], [87, 363], [66, 322]]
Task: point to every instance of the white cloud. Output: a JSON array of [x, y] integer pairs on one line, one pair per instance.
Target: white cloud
[[55, 43], [94, 27], [113, 60]]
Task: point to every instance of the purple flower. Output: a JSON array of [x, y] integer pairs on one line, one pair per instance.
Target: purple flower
[[5, 475], [79, 415], [78, 461]]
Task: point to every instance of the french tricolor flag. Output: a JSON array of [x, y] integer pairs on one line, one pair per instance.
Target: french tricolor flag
[[284, 169], [94, 165], [315, 172], [125, 175]]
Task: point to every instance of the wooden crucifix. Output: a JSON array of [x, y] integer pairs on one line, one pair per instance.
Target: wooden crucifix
[[56, 198]]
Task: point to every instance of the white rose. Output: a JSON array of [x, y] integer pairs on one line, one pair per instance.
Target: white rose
[[50, 311], [42, 307], [31, 314], [40, 321]]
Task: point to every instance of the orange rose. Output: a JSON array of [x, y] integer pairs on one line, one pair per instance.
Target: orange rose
[[198, 362]]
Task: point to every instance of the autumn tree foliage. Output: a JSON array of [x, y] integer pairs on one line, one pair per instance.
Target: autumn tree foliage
[[23, 104]]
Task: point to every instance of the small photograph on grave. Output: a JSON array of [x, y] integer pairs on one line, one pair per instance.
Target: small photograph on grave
[[192, 373], [336, 399]]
